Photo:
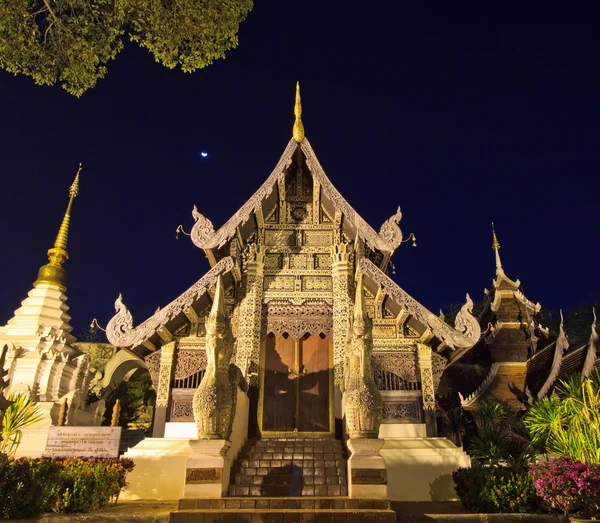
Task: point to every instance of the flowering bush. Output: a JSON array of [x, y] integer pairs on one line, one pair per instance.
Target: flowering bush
[[30, 487], [567, 485], [486, 489]]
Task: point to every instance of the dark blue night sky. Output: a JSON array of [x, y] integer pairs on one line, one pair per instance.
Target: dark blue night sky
[[461, 113]]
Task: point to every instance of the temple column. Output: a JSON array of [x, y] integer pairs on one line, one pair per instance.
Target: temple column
[[427, 388], [342, 286], [163, 390], [248, 342]]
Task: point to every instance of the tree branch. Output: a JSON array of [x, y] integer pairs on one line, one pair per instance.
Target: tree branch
[[51, 11]]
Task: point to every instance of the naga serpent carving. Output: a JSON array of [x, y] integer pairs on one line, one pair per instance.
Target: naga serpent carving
[[120, 330], [362, 400], [215, 398]]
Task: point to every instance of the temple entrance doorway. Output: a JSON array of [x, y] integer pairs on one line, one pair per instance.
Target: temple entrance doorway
[[296, 393]]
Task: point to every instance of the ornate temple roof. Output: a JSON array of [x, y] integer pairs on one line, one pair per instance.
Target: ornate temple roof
[[204, 235], [222, 249]]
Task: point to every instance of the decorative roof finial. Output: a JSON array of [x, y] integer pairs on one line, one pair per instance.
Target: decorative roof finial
[[53, 273], [496, 247], [298, 131]]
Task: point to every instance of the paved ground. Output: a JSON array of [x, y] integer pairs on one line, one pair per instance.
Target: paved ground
[[408, 512]]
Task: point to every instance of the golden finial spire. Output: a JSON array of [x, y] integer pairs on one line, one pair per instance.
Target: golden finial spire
[[53, 272], [496, 247], [298, 131]]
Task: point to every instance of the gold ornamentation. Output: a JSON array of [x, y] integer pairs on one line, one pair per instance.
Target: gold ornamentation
[[250, 315], [403, 411], [318, 237], [362, 399], [451, 337], [206, 238], [341, 306], [53, 273], [189, 362], [298, 131], [215, 398], [164, 377], [426, 368], [316, 283]]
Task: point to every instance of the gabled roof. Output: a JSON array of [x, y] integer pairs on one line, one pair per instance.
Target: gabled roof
[[120, 330], [387, 240], [454, 339]]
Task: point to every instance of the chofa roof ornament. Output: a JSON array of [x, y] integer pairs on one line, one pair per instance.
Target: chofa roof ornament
[[466, 323], [390, 232]]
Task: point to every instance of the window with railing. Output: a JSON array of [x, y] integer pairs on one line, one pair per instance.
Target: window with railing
[[387, 380], [189, 382]]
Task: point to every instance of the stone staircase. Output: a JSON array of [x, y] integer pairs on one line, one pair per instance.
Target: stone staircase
[[290, 467], [283, 510], [287, 480]]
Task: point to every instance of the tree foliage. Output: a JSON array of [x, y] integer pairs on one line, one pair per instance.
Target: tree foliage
[[137, 398], [71, 41], [568, 422], [22, 413]]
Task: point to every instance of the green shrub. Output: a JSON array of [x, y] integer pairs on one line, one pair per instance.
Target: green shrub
[[489, 489], [26, 486], [30, 487]]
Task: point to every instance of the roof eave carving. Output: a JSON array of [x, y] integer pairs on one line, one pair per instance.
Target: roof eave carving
[[120, 330], [562, 344], [465, 338], [204, 235]]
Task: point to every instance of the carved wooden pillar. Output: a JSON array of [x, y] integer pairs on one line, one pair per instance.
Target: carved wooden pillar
[[248, 342], [163, 390], [427, 388], [341, 273]]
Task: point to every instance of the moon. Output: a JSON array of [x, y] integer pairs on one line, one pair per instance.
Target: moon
[[204, 154]]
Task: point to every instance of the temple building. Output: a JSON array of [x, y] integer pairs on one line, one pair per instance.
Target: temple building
[[297, 265], [41, 359], [295, 366], [516, 360]]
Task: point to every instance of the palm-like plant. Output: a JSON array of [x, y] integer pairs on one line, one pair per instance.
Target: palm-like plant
[[22, 412], [457, 425], [568, 423], [501, 436]]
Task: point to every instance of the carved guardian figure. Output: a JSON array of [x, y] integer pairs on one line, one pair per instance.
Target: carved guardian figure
[[214, 399], [362, 401]]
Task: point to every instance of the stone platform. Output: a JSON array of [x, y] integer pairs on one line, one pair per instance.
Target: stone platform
[[305, 509]]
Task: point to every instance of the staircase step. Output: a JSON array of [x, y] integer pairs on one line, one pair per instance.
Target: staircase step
[[283, 516], [288, 490], [297, 502]]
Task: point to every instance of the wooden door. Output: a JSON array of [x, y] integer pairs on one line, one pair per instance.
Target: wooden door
[[296, 386], [279, 391], [313, 385]]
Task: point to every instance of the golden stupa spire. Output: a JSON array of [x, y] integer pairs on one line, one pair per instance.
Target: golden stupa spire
[[53, 273], [496, 247], [298, 131]]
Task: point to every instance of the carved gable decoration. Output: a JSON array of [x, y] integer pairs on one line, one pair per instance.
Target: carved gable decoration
[[188, 362], [313, 317], [153, 362], [182, 331], [402, 364]]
